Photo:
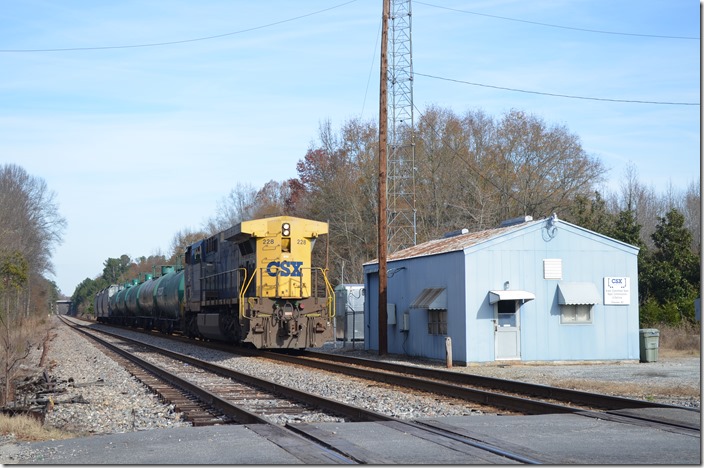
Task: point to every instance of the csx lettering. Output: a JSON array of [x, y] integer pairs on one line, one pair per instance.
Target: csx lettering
[[617, 280], [284, 268]]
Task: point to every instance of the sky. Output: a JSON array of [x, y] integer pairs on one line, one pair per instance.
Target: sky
[[141, 116]]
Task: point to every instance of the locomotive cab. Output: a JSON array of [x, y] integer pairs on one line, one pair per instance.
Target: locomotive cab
[[255, 283], [286, 301]]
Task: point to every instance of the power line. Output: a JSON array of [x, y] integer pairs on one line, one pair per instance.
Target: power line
[[184, 41], [568, 96], [559, 26]]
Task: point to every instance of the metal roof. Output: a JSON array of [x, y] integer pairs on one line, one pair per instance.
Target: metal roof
[[510, 295], [431, 298], [577, 294], [452, 244]]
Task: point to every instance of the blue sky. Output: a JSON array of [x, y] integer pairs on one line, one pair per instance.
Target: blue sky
[[140, 141]]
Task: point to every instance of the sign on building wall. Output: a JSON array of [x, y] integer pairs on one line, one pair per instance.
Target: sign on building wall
[[617, 290]]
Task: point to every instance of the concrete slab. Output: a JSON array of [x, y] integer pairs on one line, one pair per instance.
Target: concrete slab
[[230, 445], [584, 440], [405, 448], [563, 438], [673, 415]]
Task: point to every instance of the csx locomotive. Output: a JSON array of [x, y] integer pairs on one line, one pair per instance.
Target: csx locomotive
[[252, 283]]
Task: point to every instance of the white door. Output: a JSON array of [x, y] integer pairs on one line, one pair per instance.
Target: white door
[[507, 330]]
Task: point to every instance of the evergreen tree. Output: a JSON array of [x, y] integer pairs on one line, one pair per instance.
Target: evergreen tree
[[115, 268], [670, 277], [591, 213]]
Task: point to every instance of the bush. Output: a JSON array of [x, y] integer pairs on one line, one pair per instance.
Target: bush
[[670, 313]]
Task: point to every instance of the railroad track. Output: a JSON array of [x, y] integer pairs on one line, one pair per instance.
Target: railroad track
[[510, 395], [485, 390], [222, 403]]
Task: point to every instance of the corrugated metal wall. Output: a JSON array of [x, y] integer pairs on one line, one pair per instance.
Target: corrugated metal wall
[[517, 258]]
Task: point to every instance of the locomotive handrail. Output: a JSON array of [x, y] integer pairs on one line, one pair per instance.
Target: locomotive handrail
[[330, 290], [243, 290], [223, 281], [330, 300]]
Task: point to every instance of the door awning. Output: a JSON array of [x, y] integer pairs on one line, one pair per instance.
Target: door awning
[[510, 295], [431, 298], [577, 294]]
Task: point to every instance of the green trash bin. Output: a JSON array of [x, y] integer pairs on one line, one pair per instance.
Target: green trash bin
[[649, 343]]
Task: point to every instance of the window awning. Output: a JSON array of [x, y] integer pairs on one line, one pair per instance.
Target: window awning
[[510, 295], [432, 299], [577, 294]]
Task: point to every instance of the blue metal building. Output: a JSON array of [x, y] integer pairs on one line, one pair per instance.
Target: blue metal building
[[544, 290]]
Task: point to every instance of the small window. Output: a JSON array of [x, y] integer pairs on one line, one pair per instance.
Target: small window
[[437, 322], [575, 314], [246, 247]]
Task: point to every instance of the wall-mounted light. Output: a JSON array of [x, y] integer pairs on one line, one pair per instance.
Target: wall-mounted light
[[506, 285]]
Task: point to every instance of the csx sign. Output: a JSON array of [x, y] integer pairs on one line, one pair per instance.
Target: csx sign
[[617, 290], [284, 268], [617, 282]]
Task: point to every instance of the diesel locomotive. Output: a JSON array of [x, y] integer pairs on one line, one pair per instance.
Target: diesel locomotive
[[254, 283]]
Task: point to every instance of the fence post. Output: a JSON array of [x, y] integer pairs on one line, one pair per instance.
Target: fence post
[[448, 351]]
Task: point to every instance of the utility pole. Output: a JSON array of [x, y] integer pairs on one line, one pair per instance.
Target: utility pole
[[383, 123]]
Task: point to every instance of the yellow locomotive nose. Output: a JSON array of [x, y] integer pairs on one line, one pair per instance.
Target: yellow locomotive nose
[[286, 302], [283, 249]]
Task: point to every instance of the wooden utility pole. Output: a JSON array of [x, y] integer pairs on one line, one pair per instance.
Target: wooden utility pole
[[383, 130]]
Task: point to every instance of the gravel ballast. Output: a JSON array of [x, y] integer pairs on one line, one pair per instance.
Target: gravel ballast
[[101, 397]]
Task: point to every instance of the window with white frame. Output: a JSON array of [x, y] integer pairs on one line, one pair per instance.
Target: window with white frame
[[576, 314], [437, 322]]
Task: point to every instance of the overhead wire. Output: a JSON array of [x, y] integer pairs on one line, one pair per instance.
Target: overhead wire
[[217, 36], [567, 96], [559, 26], [371, 69], [183, 41], [469, 164], [632, 101]]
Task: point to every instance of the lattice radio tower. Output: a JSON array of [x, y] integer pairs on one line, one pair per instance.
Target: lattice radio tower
[[401, 147]]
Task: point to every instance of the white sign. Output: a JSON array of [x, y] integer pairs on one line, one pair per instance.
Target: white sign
[[617, 290]]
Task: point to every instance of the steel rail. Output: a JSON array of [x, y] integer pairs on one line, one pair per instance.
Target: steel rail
[[238, 414], [273, 431], [605, 402], [538, 390], [351, 412], [508, 402]]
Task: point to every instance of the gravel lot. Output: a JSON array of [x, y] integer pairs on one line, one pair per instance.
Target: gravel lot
[[101, 397]]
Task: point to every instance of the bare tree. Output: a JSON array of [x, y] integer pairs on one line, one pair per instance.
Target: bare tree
[[237, 206], [183, 239], [544, 168], [337, 183], [692, 209]]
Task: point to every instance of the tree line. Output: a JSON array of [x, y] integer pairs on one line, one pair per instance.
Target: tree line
[[472, 171], [30, 228]]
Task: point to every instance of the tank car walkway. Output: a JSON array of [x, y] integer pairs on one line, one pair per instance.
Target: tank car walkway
[[551, 439]]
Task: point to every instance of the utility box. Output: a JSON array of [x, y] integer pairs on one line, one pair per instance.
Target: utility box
[[349, 312], [649, 344]]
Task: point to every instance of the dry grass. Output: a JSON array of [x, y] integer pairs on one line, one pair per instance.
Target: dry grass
[[680, 340], [631, 390], [28, 429]]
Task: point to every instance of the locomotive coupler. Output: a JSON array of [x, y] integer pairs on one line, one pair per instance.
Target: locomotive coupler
[[287, 315]]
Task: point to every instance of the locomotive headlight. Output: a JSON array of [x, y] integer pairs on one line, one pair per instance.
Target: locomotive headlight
[[286, 229]]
